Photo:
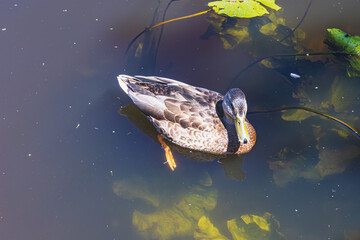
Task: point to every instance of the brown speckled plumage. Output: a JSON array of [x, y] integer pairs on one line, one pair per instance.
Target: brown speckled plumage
[[185, 115]]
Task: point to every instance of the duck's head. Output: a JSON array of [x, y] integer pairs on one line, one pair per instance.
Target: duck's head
[[235, 109]]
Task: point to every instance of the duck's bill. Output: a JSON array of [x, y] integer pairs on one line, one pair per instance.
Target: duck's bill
[[242, 129]]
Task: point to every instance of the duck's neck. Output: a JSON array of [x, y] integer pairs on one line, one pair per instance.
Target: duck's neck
[[228, 120], [223, 117], [233, 140]]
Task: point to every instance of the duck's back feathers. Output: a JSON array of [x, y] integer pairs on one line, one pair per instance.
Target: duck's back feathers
[[184, 114]]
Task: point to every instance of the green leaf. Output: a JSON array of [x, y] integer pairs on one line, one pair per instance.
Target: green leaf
[[341, 41], [243, 8]]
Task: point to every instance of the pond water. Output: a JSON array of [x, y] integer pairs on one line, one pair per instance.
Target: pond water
[[73, 167]]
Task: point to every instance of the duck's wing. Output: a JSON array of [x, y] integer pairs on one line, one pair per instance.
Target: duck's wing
[[184, 114]]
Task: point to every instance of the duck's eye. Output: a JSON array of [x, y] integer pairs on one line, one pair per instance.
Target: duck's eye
[[346, 35]]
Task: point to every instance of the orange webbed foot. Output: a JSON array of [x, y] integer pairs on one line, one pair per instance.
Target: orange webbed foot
[[168, 154]]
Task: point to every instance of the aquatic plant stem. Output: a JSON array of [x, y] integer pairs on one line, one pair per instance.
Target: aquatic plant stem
[[179, 18], [159, 24], [298, 25], [353, 130], [282, 55], [162, 29]]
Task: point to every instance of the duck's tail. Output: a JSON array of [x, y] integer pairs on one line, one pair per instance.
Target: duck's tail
[[124, 81]]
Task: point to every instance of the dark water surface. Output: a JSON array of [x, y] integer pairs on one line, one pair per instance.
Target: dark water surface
[[72, 167]]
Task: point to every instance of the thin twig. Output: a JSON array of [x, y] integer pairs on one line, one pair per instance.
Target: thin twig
[[353, 130]]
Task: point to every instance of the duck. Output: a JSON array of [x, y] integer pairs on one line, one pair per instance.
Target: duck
[[193, 117]]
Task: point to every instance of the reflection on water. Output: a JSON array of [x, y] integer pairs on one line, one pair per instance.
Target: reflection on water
[[232, 164], [142, 55], [72, 167]]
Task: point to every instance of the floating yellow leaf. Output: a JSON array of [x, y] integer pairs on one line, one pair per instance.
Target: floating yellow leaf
[[243, 8]]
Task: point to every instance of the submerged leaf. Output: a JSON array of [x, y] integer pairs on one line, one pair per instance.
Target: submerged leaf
[[180, 219], [304, 99], [207, 231], [247, 227], [334, 157], [231, 32], [136, 188], [296, 115], [290, 165], [339, 101], [243, 8], [268, 29], [335, 161], [253, 227]]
